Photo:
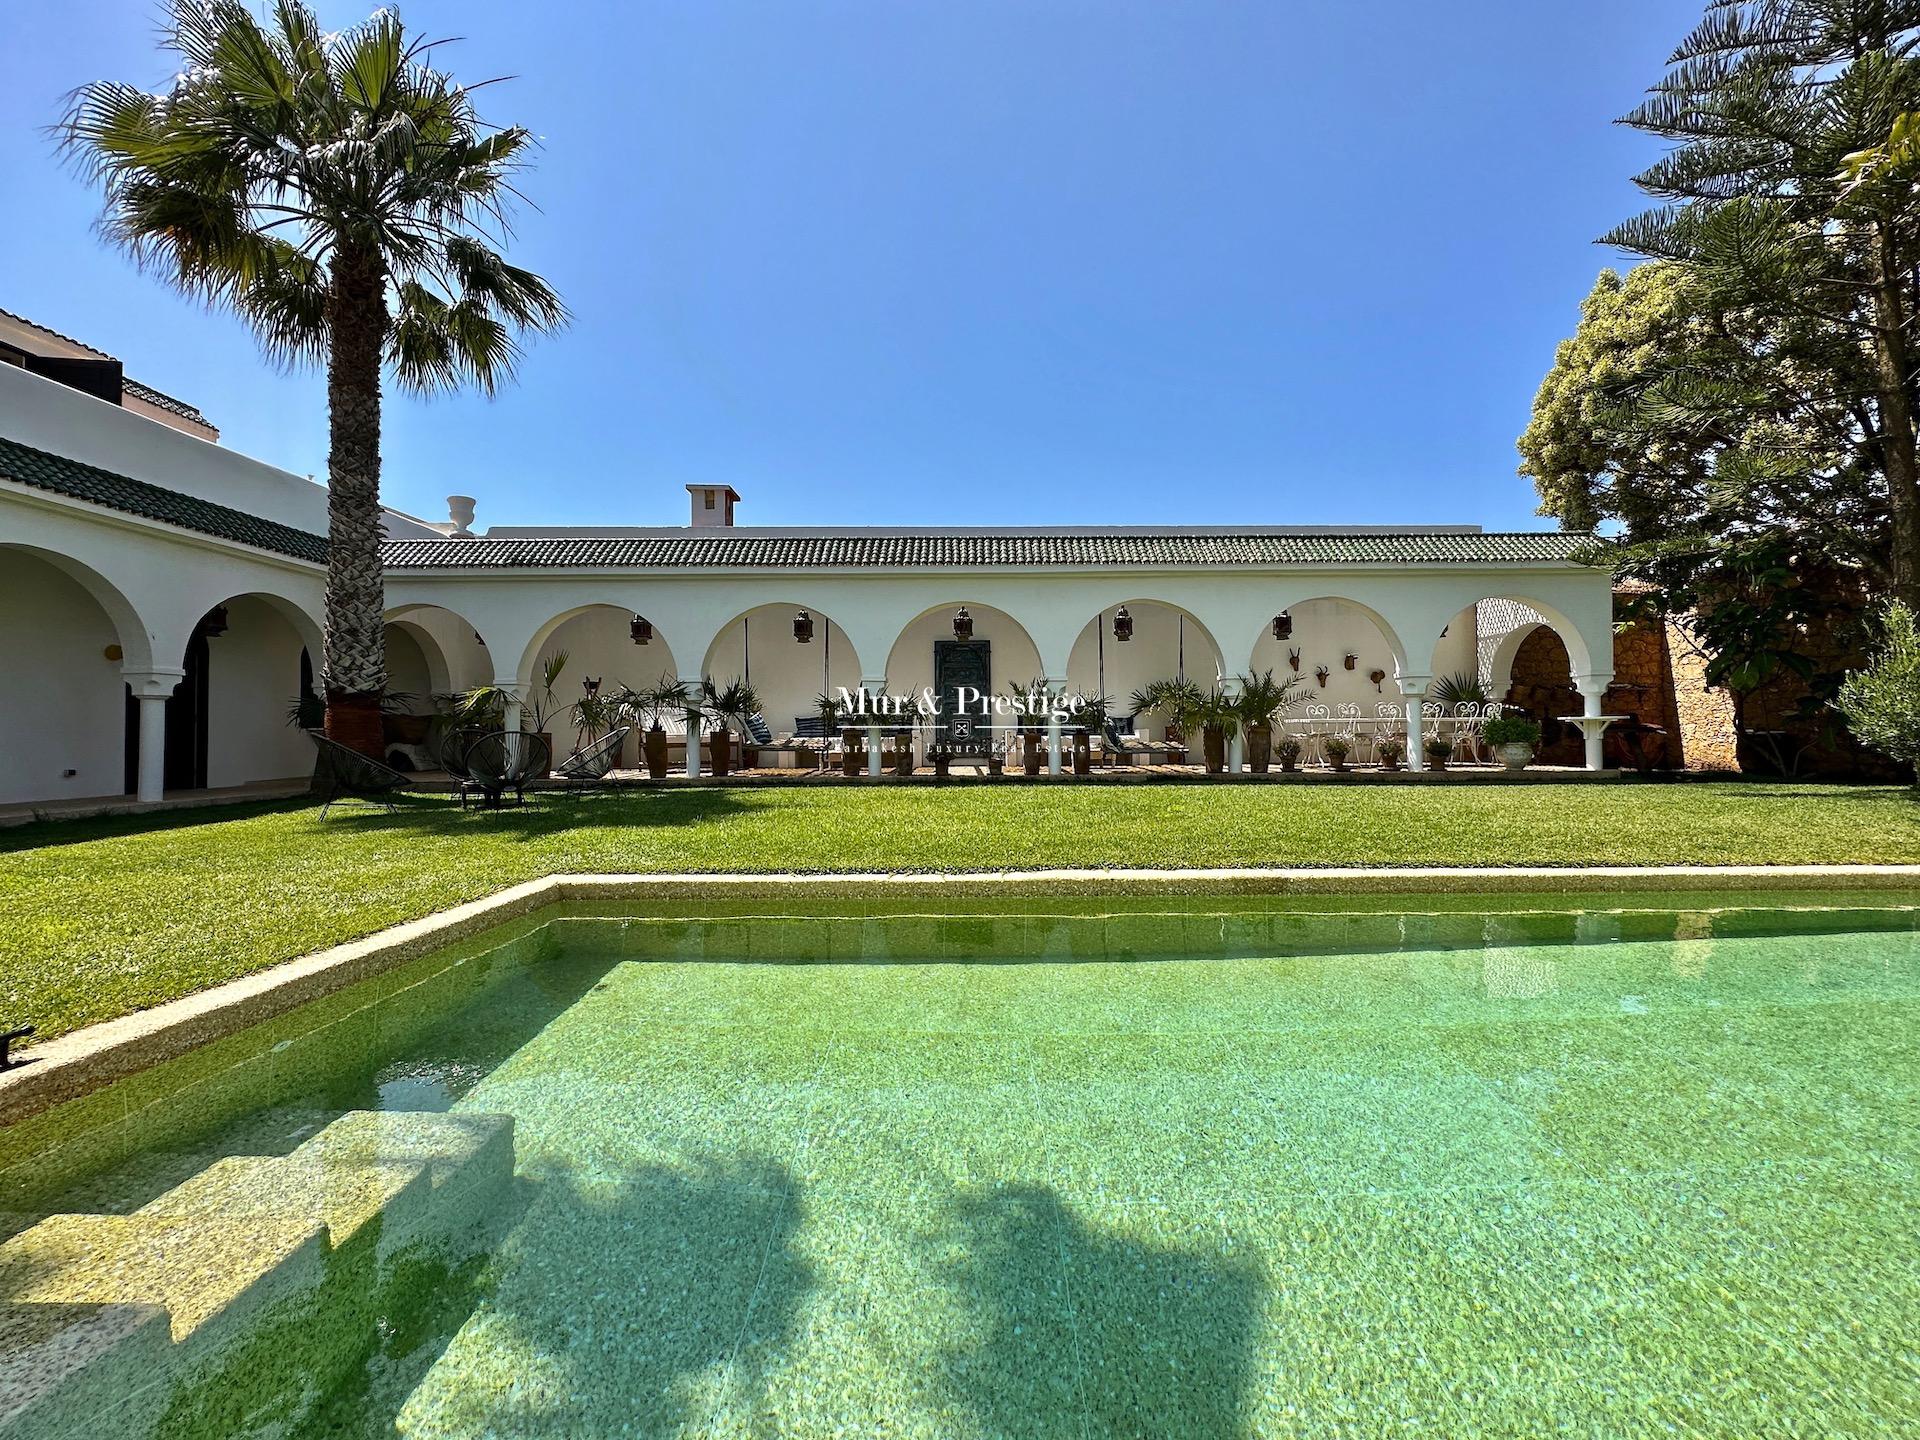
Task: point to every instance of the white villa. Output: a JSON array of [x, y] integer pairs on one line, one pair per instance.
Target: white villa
[[160, 600]]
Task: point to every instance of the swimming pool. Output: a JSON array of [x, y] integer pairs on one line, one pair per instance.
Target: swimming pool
[[1215, 1168]]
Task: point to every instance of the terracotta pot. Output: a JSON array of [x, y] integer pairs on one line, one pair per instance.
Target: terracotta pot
[[1031, 756], [996, 766], [1259, 748], [903, 761], [1213, 745], [942, 765], [1289, 767], [720, 751], [1083, 754], [853, 751], [749, 756], [654, 748]]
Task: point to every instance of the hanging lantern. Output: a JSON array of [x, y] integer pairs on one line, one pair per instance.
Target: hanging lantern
[[641, 630], [215, 622], [803, 628], [962, 624], [1122, 625], [1282, 625]]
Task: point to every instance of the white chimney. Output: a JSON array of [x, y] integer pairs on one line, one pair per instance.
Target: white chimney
[[712, 506], [460, 511]]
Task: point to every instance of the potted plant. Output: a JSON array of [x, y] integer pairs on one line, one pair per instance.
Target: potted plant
[[1337, 750], [1261, 698], [727, 708], [595, 713], [902, 733], [1090, 717], [1391, 749], [664, 697], [1030, 720], [1514, 738], [1218, 716], [1169, 699], [1437, 751], [1287, 750]]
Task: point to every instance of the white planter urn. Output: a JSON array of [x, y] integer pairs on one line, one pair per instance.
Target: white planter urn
[[1516, 755]]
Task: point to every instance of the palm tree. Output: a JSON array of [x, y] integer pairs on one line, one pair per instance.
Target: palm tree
[[345, 199]]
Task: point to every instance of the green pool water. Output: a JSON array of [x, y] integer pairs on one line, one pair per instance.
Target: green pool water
[[1220, 1168]]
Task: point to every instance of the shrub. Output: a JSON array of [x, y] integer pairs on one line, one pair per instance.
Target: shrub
[[1390, 750], [1288, 750], [1437, 748], [1510, 730], [1338, 749], [1882, 701]]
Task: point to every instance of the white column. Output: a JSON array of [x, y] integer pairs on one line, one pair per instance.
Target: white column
[[692, 687], [151, 689], [1053, 727], [1414, 689], [1593, 691], [512, 687], [874, 690], [1237, 746]]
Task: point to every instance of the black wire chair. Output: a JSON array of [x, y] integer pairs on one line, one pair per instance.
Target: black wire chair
[[347, 774], [504, 760], [591, 764], [451, 751]]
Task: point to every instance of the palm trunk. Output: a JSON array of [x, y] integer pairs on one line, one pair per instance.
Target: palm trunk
[[1893, 365], [356, 661]]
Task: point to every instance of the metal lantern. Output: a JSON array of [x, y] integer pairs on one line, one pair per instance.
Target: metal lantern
[[641, 630], [1282, 625], [1122, 625], [803, 628], [962, 624], [215, 623]]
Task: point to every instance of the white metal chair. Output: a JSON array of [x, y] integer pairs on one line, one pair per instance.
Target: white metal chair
[[1388, 720], [1433, 723], [1347, 726], [1319, 719], [1467, 720]]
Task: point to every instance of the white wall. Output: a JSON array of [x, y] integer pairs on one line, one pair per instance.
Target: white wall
[[599, 644], [408, 672], [253, 675], [784, 673], [1325, 631], [1014, 659], [49, 416], [62, 701], [1154, 653]]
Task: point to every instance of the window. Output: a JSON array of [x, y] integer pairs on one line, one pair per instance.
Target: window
[[707, 495]]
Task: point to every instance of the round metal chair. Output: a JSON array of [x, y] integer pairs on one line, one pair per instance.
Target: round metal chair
[[504, 760]]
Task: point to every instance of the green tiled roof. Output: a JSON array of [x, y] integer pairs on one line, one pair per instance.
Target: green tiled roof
[[991, 549], [27, 466]]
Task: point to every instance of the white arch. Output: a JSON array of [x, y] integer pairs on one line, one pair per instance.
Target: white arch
[[1500, 667], [1204, 660], [981, 611], [131, 629], [453, 665], [1396, 648], [1580, 653]]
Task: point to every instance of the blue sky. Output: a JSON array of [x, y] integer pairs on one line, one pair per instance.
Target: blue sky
[[959, 261]]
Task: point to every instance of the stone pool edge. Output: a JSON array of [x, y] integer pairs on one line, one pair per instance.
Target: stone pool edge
[[83, 1060]]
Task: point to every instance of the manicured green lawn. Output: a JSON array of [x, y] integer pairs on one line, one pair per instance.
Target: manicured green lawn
[[101, 917]]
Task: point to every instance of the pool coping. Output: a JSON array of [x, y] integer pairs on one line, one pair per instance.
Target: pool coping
[[86, 1059]]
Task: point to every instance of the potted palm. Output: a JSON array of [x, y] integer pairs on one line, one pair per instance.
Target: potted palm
[[1337, 750], [1261, 698], [1218, 716], [1170, 700], [595, 714], [727, 709], [1437, 751], [1089, 719], [649, 706], [1514, 738], [1391, 749], [1030, 719]]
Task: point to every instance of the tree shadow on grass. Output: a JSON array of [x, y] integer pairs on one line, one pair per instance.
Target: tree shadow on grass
[[1091, 1331]]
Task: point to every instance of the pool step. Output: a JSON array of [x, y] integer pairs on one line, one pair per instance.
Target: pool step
[[83, 1370], [89, 1301]]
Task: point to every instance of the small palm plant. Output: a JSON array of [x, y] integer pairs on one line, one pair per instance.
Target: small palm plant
[[345, 199], [1262, 698], [729, 708], [1170, 700]]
